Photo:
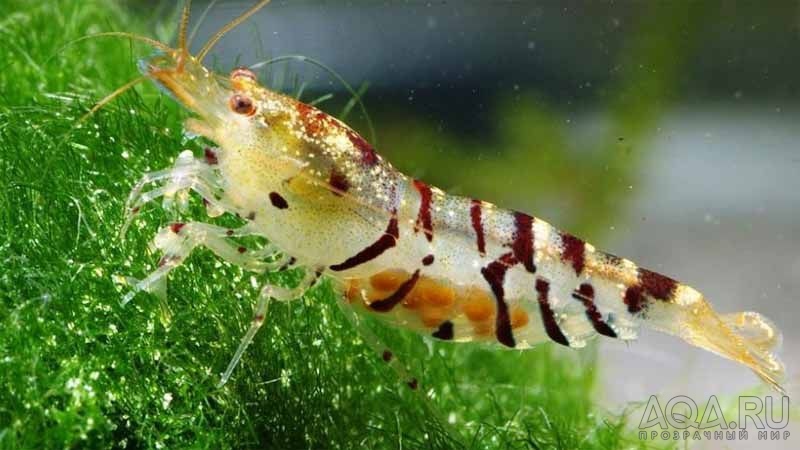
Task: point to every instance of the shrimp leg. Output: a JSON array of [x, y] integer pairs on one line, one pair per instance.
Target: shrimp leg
[[268, 292], [187, 174], [178, 240], [377, 344], [391, 359]]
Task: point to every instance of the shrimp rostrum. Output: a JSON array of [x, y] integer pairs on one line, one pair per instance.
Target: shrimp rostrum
[[457, 269]]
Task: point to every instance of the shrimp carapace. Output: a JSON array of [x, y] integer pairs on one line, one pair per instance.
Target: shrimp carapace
[[454, 268]]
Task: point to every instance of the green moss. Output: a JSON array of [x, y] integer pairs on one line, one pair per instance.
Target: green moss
[[77, 370]]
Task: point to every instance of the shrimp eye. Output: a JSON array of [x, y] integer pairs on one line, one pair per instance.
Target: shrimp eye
[[242, 105], [243, 73]]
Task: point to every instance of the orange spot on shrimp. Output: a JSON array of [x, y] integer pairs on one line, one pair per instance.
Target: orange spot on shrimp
[[483, 329], [478, 306], [353, 290], [435, 294], [433, 316], [412, 300], [519, 317], [388, 280]]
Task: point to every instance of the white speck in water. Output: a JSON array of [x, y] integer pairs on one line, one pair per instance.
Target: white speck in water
[[285, 374], [166, 400], [125, 154], [94, 375], [72, 383], [451, 418], [112, 328], [531, 45]]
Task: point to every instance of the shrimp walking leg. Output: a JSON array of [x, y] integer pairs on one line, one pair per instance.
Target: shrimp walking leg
[[177, 241], [377, 344], [395, 363], [268, 293], [187, 174]]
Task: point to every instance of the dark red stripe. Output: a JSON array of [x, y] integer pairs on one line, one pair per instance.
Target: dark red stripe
[[388, 303], [385, 242], [424, 221], [368, 155], [211, 156], [278, 201], [634, 298], [657, 285], [523, 240], [495, 274], [477, 225], [573, 252], [548, 317], [585, 293], [314, 120], [338, 181], [445, 331], [651, 284]]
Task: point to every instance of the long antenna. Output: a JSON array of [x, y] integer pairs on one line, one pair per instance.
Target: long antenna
[[199, 22], [231, 25], [112, 96], [155, 43]]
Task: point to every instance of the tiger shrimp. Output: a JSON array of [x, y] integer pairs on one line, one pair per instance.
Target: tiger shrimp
[[454, 268]]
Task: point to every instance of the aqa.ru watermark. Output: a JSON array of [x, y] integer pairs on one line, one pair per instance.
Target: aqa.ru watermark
[[758, 419]]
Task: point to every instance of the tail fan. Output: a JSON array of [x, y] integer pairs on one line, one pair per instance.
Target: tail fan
[[745, 337]]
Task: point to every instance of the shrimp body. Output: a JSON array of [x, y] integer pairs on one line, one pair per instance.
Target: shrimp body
[[455, 268]]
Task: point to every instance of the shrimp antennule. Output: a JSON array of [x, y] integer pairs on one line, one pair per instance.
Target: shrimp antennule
[[182, 50], [184, 24]]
